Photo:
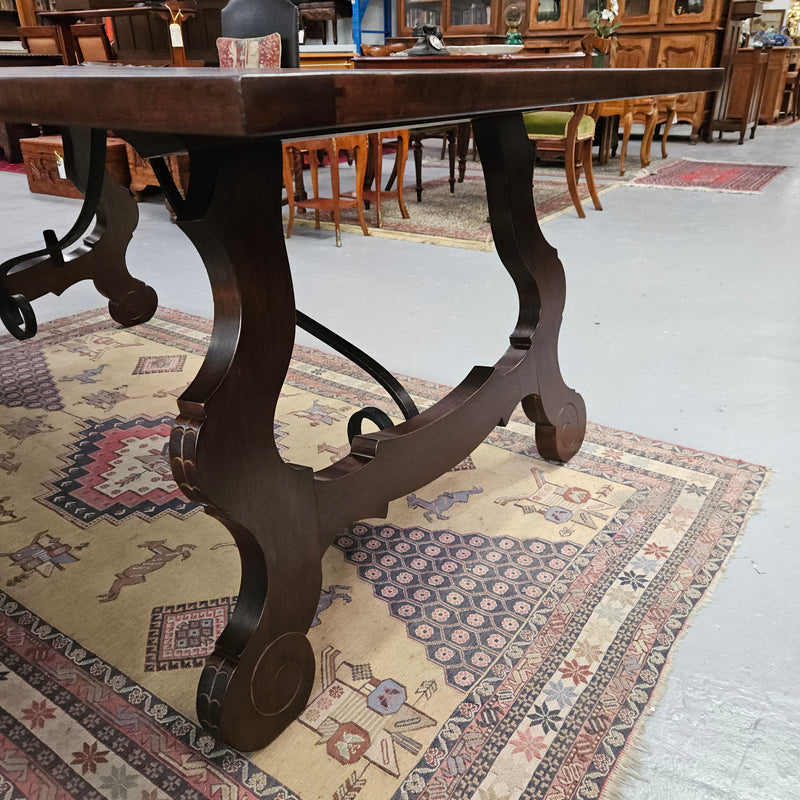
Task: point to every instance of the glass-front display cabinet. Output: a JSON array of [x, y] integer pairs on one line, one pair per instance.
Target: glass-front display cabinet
[[453, 16]]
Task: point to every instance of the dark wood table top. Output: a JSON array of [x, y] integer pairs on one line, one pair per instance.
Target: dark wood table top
[[285, 103]]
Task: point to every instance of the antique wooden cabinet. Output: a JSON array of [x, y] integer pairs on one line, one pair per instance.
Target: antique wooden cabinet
[[780, 61], [675, 33]]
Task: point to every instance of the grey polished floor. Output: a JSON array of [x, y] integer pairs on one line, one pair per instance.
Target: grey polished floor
[[681, 324]]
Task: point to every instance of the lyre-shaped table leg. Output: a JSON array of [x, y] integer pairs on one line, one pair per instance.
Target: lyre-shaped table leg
[[507, 158], [283, 516], [223, 451]]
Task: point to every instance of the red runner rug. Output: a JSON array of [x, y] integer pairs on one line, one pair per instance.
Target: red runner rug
[[715, 176]]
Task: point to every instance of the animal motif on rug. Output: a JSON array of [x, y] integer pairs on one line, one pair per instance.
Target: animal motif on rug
[[318, 413], [24, 427], [44, 555], [337, 453], [562, 504], [363, 717], [176, 392], [7, 515], [442, 503], [137, 573], [106, 399], [87, 376], [94, 346], [7, 463], [326, 598]]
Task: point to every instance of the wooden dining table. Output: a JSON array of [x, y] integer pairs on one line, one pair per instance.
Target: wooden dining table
[[222, 448]]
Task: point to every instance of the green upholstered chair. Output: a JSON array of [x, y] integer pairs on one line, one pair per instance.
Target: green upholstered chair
[[568, 132], [554, 131]]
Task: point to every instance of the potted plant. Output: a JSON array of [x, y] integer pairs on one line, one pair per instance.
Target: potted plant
[[604, 22]]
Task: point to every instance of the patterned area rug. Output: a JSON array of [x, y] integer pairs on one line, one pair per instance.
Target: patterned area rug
[[499, 635], [460, 219], [713, 176]]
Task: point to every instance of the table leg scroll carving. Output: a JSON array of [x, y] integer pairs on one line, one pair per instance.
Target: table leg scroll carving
[[508, 160]]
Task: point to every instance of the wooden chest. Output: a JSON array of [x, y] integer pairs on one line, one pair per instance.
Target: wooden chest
[[41, 157], [143, 177]]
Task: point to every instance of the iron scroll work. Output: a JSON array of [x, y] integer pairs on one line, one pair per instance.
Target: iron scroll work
[[79, 255]]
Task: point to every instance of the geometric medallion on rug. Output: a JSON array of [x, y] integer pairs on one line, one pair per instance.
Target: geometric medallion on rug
[[715, 176], [500, 634], [116, 468]]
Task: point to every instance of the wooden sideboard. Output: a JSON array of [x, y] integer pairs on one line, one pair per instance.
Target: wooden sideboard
[[780, 60], [675, 33]]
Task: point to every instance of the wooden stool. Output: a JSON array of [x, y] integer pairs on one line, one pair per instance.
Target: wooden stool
[[332, 146]]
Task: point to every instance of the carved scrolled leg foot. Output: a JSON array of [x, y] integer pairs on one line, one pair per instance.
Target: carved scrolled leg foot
[[134, 307], [560, 433]]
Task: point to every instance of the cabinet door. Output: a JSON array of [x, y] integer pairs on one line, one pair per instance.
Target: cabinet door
[[633, 52], [690, 12], [687, 50], [638, 12], [416, 13], [581, 9], [547, 14], [469, 16]]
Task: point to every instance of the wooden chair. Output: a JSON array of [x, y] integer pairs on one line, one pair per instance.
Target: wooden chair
[[91, 42], [556, 132], [41, 40], [569, 133], [649, 111], [790, 103], [357, 144]]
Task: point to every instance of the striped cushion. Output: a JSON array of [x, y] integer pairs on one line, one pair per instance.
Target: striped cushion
[[260, 52], [553, 124]]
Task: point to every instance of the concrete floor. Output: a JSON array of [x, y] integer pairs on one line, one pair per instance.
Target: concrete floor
[[681, 324]]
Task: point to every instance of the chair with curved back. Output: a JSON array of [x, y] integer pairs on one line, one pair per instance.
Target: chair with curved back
[[556, 132], [248, 19], [648, 111]]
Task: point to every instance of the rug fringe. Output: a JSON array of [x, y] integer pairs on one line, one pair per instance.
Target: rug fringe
[[630, 767]]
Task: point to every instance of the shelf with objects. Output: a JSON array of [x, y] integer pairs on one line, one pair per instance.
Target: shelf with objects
[[359, 20]]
